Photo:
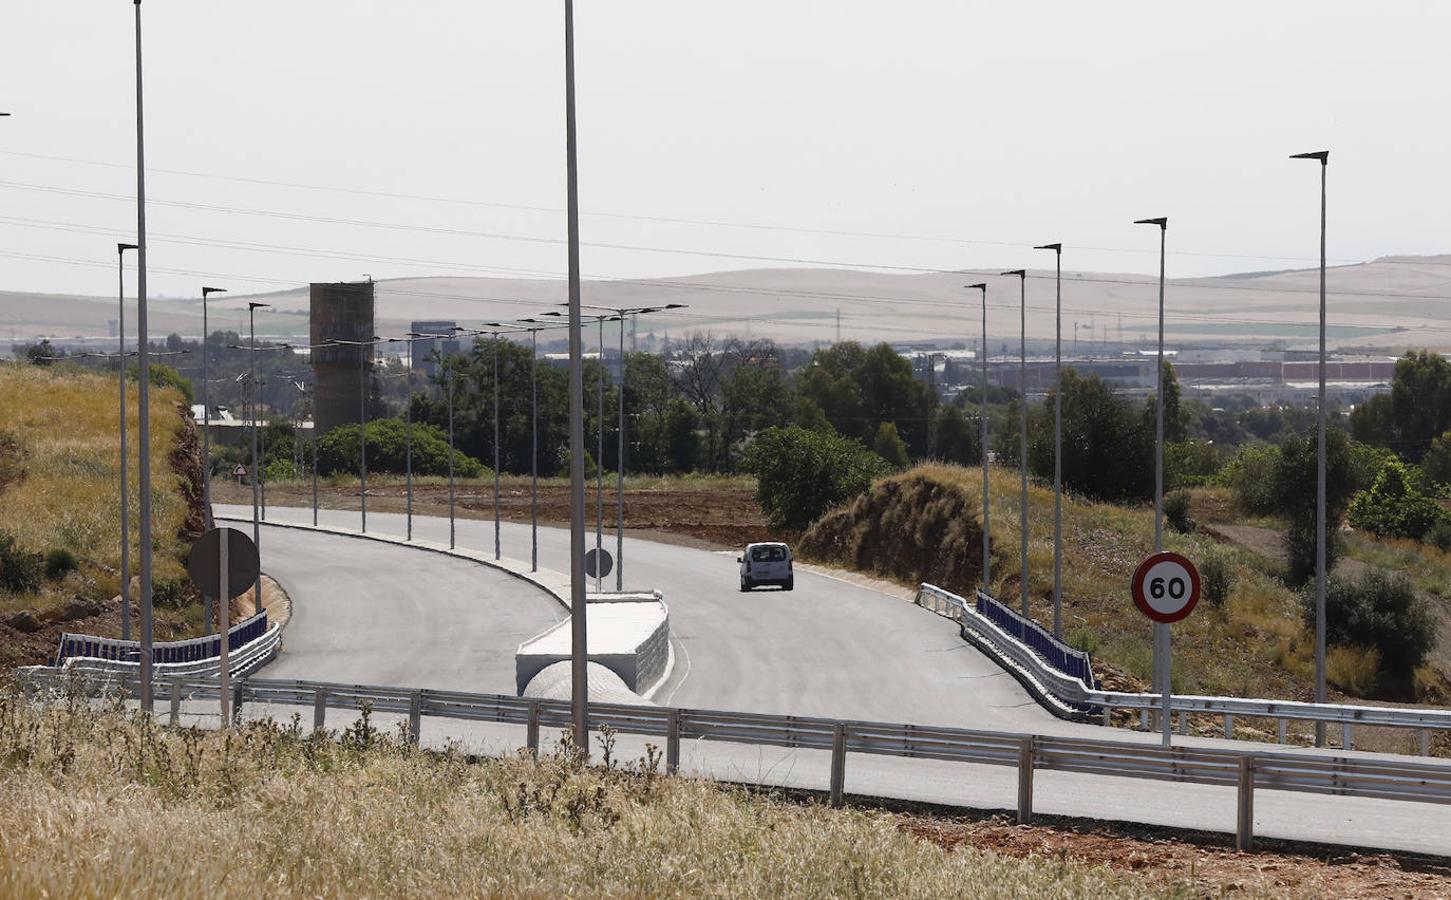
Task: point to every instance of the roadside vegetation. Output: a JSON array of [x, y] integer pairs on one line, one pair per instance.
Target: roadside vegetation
[[265, 810], [60, 531]]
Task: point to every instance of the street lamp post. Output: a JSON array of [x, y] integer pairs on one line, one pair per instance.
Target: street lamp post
[[125, 500], [1320, 516], [1023, 430], [982, 417], [206, 427], [1163, 664], [143, 384], [496, 444], [252, 308], [579, 644], [1057, 437]]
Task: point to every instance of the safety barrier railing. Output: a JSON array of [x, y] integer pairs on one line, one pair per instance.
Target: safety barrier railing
[[190, 650], [1067, 695], [1244, 770], [1070, 661], [242, 657]]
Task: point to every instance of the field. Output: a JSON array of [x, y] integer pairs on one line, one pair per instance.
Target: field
[[714, 510], [266, 811], [59, 478]]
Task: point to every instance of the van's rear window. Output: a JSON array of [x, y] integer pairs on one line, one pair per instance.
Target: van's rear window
[[768, 554]]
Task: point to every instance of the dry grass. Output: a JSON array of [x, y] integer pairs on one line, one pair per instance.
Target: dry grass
[[105, 803], [1254, 645], [64, 425]]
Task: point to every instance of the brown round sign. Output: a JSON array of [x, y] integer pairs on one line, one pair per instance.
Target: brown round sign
[[206, 557], [1166, 587]]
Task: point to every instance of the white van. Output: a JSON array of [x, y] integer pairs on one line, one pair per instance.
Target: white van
[[768, 563]]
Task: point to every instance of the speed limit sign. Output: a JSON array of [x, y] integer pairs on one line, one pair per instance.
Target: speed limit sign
[[1166, 587]]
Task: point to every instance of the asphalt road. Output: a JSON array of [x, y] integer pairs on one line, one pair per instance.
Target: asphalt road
[[829, 648]]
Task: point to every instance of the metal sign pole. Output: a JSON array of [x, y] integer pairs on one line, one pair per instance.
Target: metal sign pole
[[224, 603]]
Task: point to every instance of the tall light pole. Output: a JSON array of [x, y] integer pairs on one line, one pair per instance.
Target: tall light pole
[[622, 313], [1162, 661], [143, 382], [600, 440], [1057, 438], [206, 427], [125, 500], [1023, 430], [252, 307], [413, 337], [982, 421], [1320, 525], [534, 327], [579, 645]]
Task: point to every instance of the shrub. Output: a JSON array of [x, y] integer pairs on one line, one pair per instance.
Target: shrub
[[890, 446], [1393, 507], [59, 563], [1440, 535], [1216, 577], [1250, 477], [20, 570], [801, 474], [1191, 464], [337, 451], [1377, 611], [169, 593], [1176, 511]]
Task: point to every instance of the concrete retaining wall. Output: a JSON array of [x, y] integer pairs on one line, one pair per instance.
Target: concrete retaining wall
[[629, 634]]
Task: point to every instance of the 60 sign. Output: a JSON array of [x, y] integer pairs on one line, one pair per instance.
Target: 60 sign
[[1166, 587]]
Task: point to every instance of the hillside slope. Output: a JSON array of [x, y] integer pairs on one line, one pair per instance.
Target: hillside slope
[[59, 490]]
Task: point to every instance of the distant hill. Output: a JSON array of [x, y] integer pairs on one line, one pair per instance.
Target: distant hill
[[1392, 302]]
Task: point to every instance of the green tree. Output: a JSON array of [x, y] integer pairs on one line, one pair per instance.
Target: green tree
[[1372, 423], [1190, 464], [1436, 464], [755, 395], [958, 440], [40, 353], [859, 388], [1420, 402], [682, 438], [889, 446], [801, 474], [1108, 453], [1393, 507], [1294, 492]]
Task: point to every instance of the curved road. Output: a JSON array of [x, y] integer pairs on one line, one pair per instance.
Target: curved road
[[828, 648], [377, 613]]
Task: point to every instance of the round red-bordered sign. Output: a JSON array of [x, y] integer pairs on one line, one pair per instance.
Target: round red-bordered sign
[[1166, 587]]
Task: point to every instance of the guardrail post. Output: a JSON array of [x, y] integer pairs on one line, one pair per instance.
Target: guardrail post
[[838, 762], [672, 742], [1143, 720], [1425, 742], [1245, 820], [1347, 737], [1183, 721], [319, 709], [237, 698], [1025, 780], [175, 684], [532, 738], [415, 716], [1280, 729], [1107, 716], [1229, 726]]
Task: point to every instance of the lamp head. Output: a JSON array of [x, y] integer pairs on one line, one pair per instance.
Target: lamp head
[[675, 306], [1021, 273], [981, 284], [208, 291], [1162, 221], [122, 248], [1057, 248], [1322, 155], [253, 304]]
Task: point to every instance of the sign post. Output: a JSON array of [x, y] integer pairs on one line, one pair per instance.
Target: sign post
[[224, 563], [1165, 588]]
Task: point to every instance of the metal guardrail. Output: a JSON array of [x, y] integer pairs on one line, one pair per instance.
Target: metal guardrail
[[190, 650], [242, 659], [1073, 693], [1070, 661], [1246, 771]]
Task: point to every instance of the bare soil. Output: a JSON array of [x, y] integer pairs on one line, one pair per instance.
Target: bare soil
[[1205, 861], [712, 516]]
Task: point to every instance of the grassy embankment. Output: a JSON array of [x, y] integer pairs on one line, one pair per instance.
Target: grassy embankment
[[59, 490], [925, 525], [105, 803]]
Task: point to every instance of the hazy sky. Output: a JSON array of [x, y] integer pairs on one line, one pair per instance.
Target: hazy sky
[[959, 133]]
